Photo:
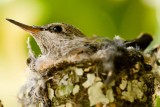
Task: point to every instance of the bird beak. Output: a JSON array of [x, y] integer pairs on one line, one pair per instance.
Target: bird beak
[[30, 29]]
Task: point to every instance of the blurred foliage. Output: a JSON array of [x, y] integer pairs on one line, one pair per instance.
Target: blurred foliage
[[127, 18], [158, 102]]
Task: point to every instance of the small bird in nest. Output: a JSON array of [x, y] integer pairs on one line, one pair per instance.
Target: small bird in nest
[[60, 41]]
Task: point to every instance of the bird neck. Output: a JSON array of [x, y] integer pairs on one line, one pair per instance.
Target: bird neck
[[60, 48]]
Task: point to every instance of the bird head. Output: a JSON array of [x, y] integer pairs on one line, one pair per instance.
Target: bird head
[[52, 37]]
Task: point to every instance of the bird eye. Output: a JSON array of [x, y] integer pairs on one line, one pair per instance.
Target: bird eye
[[56, 29]]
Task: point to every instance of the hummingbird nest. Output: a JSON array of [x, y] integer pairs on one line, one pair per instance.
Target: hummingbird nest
[[115, 76]]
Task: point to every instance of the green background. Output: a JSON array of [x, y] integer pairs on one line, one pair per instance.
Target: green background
[[126, 18]]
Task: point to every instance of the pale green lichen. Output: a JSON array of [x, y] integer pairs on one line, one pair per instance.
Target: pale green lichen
[[90, 80], [123, 84], [64, 80], [41, 105], [79, 71], [128, 95], [64, 90], [50, 93], [87, 69], [96, 95], [76, 89], [69, 105], [135, 90], [110, 95]]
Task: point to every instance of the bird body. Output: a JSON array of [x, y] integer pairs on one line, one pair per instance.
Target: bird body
[[62, 42]]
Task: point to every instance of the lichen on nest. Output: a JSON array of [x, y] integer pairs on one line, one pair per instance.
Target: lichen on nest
[[117, 76]]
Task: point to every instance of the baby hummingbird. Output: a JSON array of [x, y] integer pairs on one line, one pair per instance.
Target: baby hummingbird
[[58, 40], [54, 39]]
